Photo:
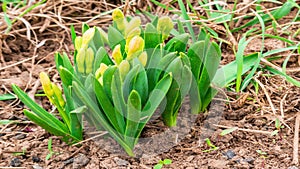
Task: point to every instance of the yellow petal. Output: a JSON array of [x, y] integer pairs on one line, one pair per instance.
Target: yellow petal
[[46, 84], [100, 71], [80, 57], [117, 55], [165, 25], [78, 42], [124, 68], [135, 22], [89, 59], [87, 36], [119, 19], [143, 58], [136, 45], [58, 94]]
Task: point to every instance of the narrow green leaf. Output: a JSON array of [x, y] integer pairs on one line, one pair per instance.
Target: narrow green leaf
[[7, 96], [39, 111], [115, 118], [134, 106], [99, 117], [228, 131]]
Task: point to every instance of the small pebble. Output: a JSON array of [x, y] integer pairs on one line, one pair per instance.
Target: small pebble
[[20, 136], [36, 166], [15, 162], [121, 162], [293, 167], [249, 160], [36, 159], [229, 154], [68, 161]]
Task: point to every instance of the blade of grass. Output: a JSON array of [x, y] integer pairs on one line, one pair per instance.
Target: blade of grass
[[187, 18]]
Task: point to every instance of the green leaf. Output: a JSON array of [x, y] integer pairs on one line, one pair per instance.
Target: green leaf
[[39, 111], [177, 43], [76, 121], [287, 77], [5, 122], [226, 74], [7, 96], [107, 78], [167, 161], [97, 39], [73, 34], [140, 84], [151, 37], [129, 79], [132, 117], [155, 98], [158, 166], [115, 38], [228, 131], [99, 117], [117, 94], [45, 124], [115, 118], [101, 56]]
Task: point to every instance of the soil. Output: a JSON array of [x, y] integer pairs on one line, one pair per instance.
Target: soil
[[24, 144]]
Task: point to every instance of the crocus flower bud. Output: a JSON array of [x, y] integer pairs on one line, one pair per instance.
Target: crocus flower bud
[[89, 59], [165, 25], [136, 45], [80, 57], [117, 55], [46, 84], [78, 42], [135, 22], [124, 68], [119, 19], [134, 32], [143, 58], [58, 94], [100, 71], [87, 36]]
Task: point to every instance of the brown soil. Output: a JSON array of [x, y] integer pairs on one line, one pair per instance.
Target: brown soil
[[23, 144]]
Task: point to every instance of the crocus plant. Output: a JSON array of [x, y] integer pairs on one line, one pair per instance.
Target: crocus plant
[[119, 91]]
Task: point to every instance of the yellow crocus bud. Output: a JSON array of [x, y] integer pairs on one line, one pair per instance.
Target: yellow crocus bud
[[117, 55], [135, 32], [103, 35], [165, 25], [58, 94], [119, 19], [100, 71], [89, 59], [46, 84], [78, 42], [80, 57], [143, 58], [124, 68], [135, 22], [87, 36], [136, 45]]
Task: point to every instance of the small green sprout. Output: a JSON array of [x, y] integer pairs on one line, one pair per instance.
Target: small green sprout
[[51, 152], [161, 163], [212, 147]]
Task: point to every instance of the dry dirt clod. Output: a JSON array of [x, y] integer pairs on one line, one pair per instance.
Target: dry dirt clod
[[121, 162], [80, 161], [36, 166]]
